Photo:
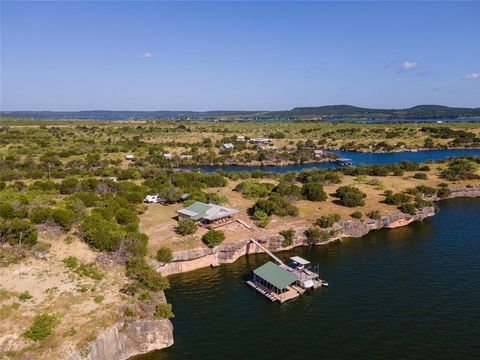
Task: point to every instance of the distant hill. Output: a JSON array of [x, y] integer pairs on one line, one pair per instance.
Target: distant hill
[[319, 112], [349, 111]]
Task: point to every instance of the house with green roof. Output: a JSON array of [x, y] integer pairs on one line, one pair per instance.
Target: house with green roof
[[208, 215]]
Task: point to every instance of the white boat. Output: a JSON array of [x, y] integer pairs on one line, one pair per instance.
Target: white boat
[[324, 283]]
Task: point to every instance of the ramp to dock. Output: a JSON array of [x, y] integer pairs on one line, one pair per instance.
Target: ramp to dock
[[272, 255]]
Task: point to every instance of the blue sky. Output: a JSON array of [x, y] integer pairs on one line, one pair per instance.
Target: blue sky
[[241, 56]]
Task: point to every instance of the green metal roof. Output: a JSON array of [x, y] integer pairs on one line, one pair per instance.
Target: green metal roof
[[199, 208], [275, 275]]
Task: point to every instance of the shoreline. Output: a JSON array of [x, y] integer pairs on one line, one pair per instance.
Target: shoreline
[[197, 258]]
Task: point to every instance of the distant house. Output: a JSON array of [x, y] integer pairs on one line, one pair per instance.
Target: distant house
[[168, 156], [260, 140], [186, 157], [208, 215], [240, 138], [227, 146], [129, 157], [318, 153]]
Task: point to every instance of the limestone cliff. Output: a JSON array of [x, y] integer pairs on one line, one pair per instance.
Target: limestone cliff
[[119, 343]]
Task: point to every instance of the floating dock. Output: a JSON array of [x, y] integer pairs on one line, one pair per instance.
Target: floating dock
[[281, 282]]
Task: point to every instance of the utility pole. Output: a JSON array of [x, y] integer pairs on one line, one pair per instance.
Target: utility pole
[[49, 174]]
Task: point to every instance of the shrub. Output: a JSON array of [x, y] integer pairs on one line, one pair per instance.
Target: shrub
[[40, 215], [164, 254], [89, 199], [426, 190], [135, 243], [375, 215], [42, 326], [288, 189], [101, 234], [288, 237], [71, 262], [356, 215], [327, 221], [396, 199], [262, 218], [408, 208], [314, 235], [313, 192], [187, 227], [163, 311], [99, 298], [443, 192], [277, 205], [24, 296], [350, 196], [128, 218], [420, 176], [138, 270], [63, 218], [69, 186], [213, 237], [252, 189], [7, 211], [18, 231]]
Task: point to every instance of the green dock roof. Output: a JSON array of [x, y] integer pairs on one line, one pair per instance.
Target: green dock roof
[[275, 275]]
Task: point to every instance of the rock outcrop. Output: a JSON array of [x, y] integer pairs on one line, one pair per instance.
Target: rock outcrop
[[121, 343]]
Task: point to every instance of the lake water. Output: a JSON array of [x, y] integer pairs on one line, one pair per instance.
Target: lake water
[[357, 158], [404, 293]]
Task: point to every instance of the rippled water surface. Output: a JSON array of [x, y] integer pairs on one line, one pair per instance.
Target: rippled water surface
[[411, 292], [357, 159]]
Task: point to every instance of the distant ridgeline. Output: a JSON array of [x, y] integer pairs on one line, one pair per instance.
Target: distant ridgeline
[[338, 111], [319, 112]]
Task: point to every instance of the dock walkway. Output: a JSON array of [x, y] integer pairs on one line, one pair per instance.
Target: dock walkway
[[272, 255]]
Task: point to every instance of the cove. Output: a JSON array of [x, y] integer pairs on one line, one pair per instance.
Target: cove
[[408, 292], [357, 158]]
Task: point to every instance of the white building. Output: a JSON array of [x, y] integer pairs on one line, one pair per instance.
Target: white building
[[318, 153], [129, 157], [240, 138], [260, 140], [227, 146], [187, 157], [168, 156]]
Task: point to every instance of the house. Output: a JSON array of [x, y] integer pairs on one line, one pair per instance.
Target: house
[[260, 140], [208, 215], [186, 157], [227, 146], [129, 157], [168, 156], [318, 153], [240, 138]]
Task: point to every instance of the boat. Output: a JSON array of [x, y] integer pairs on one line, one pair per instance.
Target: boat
[[324, 283]]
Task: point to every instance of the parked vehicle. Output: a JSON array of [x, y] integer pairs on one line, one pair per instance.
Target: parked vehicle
[[155, 198]]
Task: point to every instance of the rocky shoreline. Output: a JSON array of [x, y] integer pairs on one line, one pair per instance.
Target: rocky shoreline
[[193, 259]]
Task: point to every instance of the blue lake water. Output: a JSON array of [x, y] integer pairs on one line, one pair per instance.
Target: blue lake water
[[406, 293], [357, 158]]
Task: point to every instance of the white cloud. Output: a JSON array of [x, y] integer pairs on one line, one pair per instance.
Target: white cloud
[[408, 65], [471, 76], [147, 55]]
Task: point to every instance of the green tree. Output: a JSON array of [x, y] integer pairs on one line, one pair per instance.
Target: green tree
[[313, 192], [213, 237], [350, 196], [164, 254], [18, 231], [187, 227]]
